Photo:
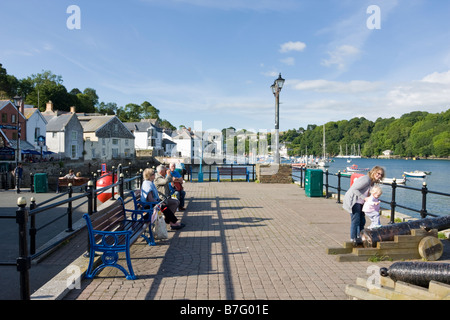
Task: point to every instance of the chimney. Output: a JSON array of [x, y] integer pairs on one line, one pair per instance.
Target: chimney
[[22, 107], [49, 107], [72, 109]]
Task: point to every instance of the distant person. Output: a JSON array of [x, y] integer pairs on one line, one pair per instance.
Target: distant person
[[354, 200], [70, 175], [371, 207], [18, 174], [177, 181]]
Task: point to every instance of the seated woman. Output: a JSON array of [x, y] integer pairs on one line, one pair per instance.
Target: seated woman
[[149, 193]]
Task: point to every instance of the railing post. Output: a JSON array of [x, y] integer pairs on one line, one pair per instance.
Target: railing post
[[90, 196], [423, 211], [339, 187], [301, 176], [121, 186], [326, 184], [33, 227], [31, 182], [69, 210], [23, 261], [94, 200], [393, 204], [112, 188]]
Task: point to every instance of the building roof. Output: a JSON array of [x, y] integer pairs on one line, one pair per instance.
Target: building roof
[[57, 123], [94, 123]]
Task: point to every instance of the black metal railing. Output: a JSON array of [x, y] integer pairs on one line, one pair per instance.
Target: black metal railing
[[393, 204], [27, 249]]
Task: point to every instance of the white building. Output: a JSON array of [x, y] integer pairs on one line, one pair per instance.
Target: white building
[[106, 138], [148, 136]]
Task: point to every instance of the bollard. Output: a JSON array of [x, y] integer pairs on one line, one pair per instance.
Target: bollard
[[23, 261]]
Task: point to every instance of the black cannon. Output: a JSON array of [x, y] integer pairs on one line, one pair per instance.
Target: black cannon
[[418, 273], [371, 237]]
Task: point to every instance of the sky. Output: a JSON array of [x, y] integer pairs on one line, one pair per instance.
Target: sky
[[213, 61]]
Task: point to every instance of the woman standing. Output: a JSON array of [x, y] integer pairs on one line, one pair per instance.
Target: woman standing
[[354, 201]]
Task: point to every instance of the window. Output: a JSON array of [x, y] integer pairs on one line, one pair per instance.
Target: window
[[115, 152], [37, 133], [115, 142], [13, 118], [74, 135], [4, 117], [74, 150], [126, 142], [103, 141]]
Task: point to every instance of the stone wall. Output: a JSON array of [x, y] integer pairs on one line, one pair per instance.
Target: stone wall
[[272, 173], [55, 169]]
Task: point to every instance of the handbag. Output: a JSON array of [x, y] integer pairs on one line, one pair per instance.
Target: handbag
[[160, 225]]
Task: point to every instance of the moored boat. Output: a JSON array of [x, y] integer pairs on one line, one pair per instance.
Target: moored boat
[[355, 168], [415, 174], [391, 180]]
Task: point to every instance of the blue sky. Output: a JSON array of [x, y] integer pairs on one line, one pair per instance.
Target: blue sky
[[214, 60]]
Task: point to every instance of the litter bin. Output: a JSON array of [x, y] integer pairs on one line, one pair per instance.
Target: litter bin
[[40, 182], [314, 183]]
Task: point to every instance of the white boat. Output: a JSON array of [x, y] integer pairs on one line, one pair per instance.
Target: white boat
[[415, 174], [398, 181]]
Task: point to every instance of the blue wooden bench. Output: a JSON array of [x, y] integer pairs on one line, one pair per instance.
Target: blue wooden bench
[[113, 230], [232, 171]]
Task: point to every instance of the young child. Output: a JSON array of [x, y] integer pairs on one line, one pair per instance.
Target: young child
[[371, 207]]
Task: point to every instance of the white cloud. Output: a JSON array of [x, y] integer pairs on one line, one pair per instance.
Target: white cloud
[[288, 61], [292, 46], [322, 85], [436, 77], [342, 56]]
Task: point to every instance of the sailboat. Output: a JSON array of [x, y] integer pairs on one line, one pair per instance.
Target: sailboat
[[324, 162]]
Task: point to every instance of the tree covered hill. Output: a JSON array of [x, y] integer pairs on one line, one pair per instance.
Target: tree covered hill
[[417, 133]]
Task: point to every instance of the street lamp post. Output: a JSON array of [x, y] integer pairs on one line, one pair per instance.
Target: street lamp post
[[276, 89], [18, 103]]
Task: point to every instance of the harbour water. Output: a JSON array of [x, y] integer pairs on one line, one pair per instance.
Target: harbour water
[[437, 181]]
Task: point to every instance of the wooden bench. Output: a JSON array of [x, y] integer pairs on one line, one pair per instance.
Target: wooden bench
[[232, 171], [113, 230], [64, 182]]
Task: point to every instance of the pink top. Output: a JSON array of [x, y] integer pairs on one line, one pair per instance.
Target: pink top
[[373, 204]]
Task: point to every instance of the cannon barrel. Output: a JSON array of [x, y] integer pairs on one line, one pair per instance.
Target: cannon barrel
[[371, 237], [418, 273]]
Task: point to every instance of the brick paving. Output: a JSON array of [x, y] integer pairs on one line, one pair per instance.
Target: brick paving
[[242, 241]]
